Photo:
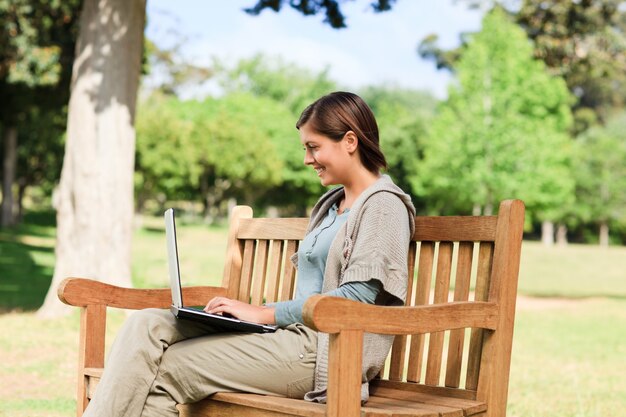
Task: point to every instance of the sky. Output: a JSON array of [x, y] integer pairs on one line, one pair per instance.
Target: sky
[[375, 48]]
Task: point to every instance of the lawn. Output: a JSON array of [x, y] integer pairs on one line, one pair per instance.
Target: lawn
[[568, 348]]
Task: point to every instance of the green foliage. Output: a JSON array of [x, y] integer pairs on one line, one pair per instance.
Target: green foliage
[[502, 133], [600, 162], [582, 41], [585, 43], [403, 117], [284, 82], [238, 146], [33, 41], [37, 43], [241, 145]]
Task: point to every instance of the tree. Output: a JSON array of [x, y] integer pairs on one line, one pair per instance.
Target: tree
[[582, 41], [230, 147], [585, 43], [502, 132], [36, 49], [601, 176], [95, 206]]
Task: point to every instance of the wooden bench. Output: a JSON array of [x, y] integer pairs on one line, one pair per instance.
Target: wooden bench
[[453, 352]]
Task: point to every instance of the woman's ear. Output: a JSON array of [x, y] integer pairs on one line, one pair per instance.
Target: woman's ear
[[351, 141]]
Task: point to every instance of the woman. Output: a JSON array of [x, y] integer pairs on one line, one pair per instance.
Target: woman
[[355, 247]]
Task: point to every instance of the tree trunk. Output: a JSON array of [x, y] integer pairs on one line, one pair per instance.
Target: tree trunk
[[8, 176], [547, 233], [604, 234], [561, 235], [95, 195], [21, 192]]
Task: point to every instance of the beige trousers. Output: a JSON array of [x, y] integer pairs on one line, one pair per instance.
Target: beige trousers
[[158, 361]]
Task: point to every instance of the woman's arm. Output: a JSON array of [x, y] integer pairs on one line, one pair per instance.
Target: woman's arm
[[241, 310], [288, 312]]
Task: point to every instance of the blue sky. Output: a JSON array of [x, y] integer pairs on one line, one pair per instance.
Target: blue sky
[[374, 49]]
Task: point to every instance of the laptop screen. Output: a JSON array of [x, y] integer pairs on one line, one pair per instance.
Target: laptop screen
[[172, 258]]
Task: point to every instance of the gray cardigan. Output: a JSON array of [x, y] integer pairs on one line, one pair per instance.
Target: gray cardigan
[[372, 244]]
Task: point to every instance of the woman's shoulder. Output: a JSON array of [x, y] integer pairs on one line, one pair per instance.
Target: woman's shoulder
[[385, 201]]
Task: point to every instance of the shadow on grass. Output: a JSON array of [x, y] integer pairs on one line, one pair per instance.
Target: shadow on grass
[[26, 262]]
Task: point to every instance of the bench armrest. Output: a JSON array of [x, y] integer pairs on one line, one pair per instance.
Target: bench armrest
[[335, 314], [82, 292]]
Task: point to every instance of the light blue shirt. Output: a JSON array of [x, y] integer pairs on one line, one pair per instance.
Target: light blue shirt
[[312, 256]]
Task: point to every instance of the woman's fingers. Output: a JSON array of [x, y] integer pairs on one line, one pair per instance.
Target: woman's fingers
[[215, 303]]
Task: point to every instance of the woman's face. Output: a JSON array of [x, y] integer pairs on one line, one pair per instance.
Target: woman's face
[[330, 159]]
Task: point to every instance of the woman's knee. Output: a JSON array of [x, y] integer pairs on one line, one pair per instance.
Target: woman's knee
[[149, 321]]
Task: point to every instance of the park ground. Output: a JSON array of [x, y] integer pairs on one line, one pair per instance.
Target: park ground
[[568, 353]]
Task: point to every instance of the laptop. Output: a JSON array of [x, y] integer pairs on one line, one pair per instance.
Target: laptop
[[194, 313]]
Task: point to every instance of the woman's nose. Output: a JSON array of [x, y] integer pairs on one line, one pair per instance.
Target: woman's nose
[[308, 158]]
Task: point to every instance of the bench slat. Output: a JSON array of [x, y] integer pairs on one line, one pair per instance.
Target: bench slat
[[455, 228], [442, 289], [260, 273], [246, 271], [272, 229], [289, 272], [399, 348], [481, 293], [273, 274], [461, 293], [468, 407], [424, 277]]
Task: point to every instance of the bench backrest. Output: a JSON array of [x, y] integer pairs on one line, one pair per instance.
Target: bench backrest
[[475, 256]]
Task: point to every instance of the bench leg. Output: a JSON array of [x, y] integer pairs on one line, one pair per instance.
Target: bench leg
[[91, 349], [344, 373]]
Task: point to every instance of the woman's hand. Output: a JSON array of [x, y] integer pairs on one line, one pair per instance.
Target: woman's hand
[[240, 310]]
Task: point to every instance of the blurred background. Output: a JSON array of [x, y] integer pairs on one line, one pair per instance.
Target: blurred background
[[113, 110]]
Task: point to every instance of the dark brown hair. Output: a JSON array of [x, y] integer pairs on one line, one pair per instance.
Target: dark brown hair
[[337, 113]]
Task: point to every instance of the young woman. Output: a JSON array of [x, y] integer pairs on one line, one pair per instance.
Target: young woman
[[355, 247]]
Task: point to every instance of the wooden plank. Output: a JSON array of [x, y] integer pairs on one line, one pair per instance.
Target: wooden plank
[[82, 292], [246, 271], [234, 252], [424, 277], [335, 314], [273, 274], [272, 229], [251, 403], [399, 347], [260, 272], [404, 408], [442, 288], [437, 391], [465, 406], [461, 293], [345, 353], [90, 349], [455, 228], [211, 408], [481, 292], [493, 381], [289, 272]]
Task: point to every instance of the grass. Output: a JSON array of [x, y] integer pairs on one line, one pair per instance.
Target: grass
[[569, 360], [567, 356], [573, 271]]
